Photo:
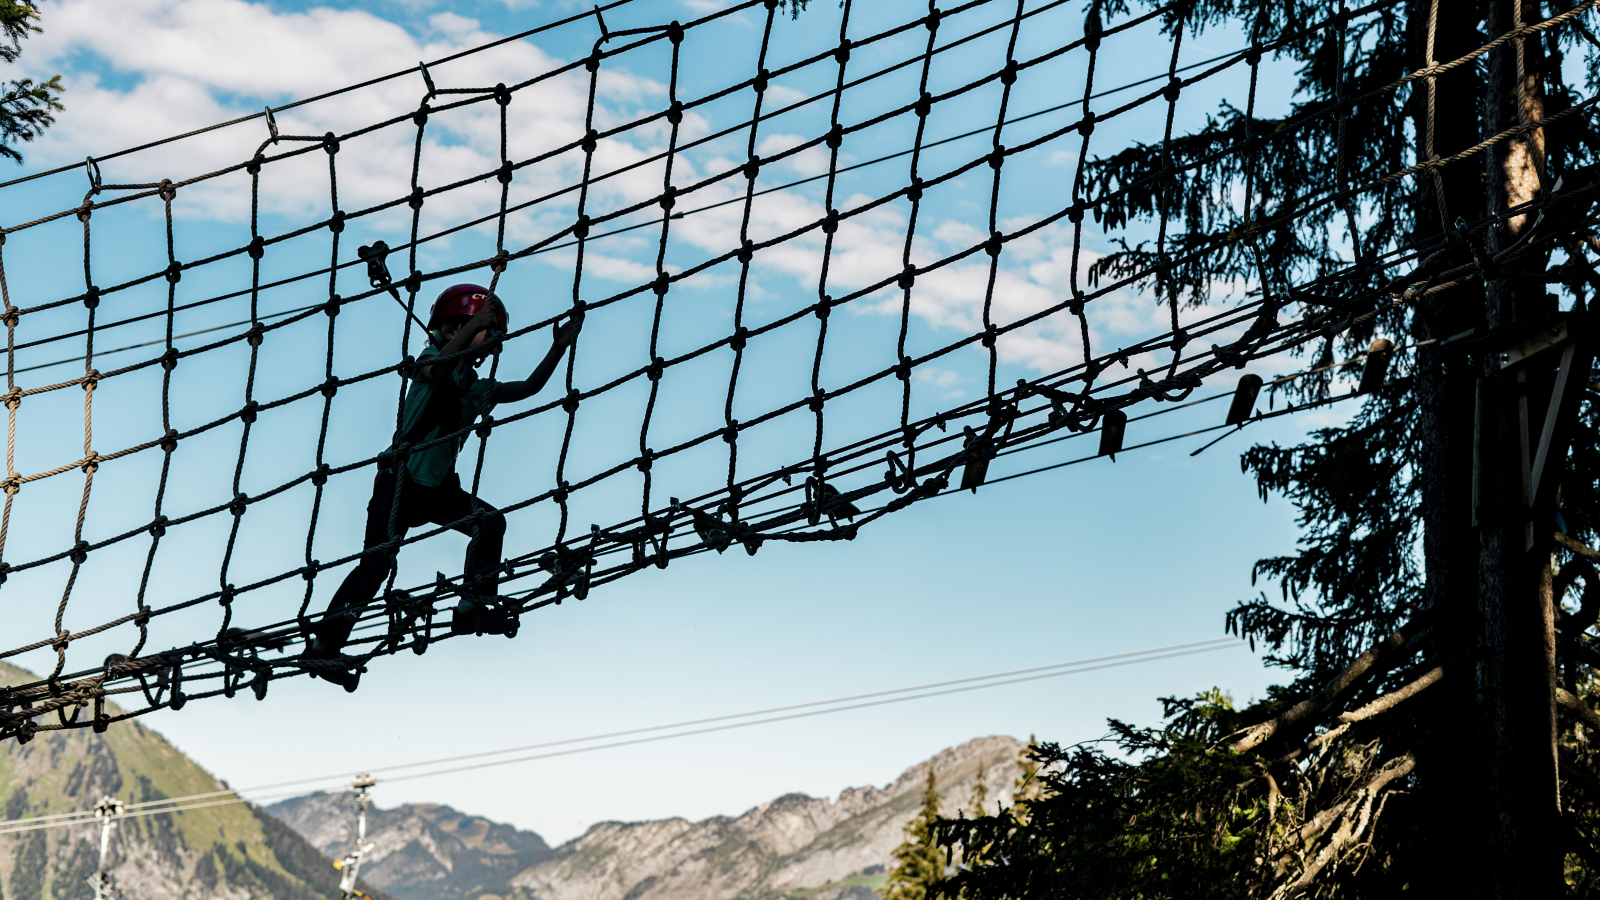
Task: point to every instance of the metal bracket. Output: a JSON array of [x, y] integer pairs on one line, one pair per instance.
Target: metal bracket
[[427, 79], [1542, 439]]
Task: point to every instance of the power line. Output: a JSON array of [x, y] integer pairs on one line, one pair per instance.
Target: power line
[[854, 701]]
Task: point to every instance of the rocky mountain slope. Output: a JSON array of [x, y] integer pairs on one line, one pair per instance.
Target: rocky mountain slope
[[229, 852], [794, 846], [423, 851], [798, 847]]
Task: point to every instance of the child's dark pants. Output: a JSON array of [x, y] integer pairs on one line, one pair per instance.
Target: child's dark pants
[[447, 505]]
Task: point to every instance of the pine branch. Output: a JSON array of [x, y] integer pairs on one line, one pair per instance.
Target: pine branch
[[1375, 661], [1570, 701], [1381, 705]]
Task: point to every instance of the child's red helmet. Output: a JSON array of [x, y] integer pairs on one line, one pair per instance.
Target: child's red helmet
[[465, 300]]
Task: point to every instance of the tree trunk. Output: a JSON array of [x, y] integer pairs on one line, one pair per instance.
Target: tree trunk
[[1449, 818], [1522, 859]]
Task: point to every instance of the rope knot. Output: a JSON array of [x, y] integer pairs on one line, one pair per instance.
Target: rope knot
[[502, 94], [92, 462], [731, 433], [835, 136], [842, 55], [590, 141], [13, 397], [91, 297], [169, 359], [580, 229], [11, 316], [484, 427], [319, 477], [174, 272], [500, 261], [908, 277], [654, 370], [158, 528], [646, 459], [993, 244], [763, 78], [330, 143], [169, 441], [416, 198], [336, 222], [830, 224], [914, 192], [256, 247], [570, 402], [79, 553], [240, 501], [309, 572], [168, 190], [737, 341], [1008, 75], [504, 174]]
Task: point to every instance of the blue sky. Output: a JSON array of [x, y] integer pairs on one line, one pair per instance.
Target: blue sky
[[1086, 560]]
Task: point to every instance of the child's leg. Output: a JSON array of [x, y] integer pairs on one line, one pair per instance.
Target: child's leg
[[362, 584], [481, 570]]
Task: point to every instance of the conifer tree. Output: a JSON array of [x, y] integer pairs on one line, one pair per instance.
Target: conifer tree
[[1027, 787], [980, 792], [1394, 760], [919, 862], [27, 107]]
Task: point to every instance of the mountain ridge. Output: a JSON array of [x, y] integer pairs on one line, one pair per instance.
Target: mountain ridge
[[232, 851], [794, 846]]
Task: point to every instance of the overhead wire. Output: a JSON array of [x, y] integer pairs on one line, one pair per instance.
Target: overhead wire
[[853, 702]]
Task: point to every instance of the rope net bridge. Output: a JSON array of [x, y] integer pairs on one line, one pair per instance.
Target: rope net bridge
[[730, 383]]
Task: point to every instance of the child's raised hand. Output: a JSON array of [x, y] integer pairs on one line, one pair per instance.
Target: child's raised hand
[[566, 333], [481, 319]]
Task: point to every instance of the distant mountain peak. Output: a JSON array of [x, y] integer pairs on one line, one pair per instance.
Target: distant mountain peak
[[791, 846]]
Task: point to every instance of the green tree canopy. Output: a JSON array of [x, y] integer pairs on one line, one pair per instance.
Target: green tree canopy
[[27, 107], [919, 863]]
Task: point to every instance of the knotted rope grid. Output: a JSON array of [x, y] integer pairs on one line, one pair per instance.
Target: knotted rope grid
[[813, 497]]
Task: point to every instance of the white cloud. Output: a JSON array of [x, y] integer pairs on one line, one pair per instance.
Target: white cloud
[[195, 62]]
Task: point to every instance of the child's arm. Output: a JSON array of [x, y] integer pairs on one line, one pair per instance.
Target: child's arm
[[461, 341], [512, 391]]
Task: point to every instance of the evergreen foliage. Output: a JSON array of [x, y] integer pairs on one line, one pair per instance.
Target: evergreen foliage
[[27, 107], [1285, 798], [980, 792], [919, 862]]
